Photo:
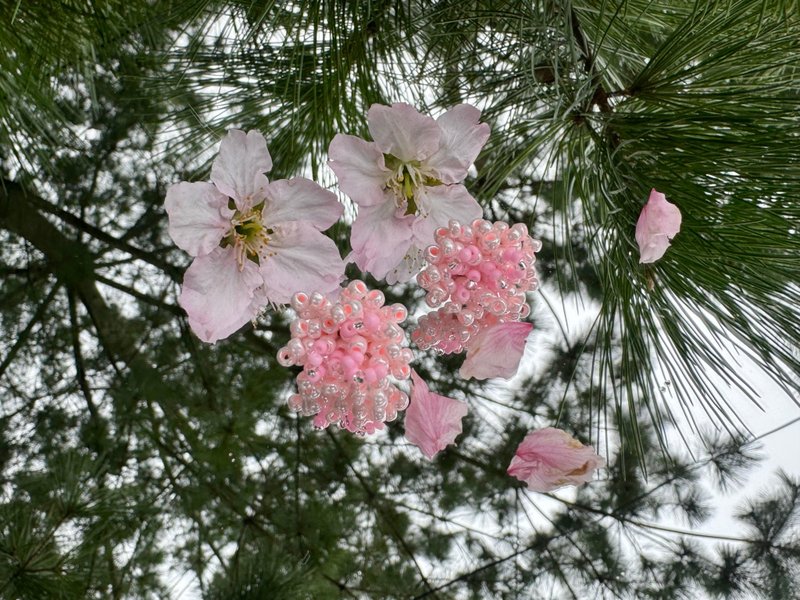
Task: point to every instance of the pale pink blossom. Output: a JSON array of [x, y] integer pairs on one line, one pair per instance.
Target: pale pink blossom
[[477, 276], [550, 458], [255, 242], [658, 223], [432, 421], [406, 183], [496, 351], [352, 353]]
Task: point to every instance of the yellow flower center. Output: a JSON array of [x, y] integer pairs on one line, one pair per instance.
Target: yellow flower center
[[407, 179], [248, 236]]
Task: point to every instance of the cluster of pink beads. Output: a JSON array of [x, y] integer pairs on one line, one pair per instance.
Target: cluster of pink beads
[[477, 276], [348, 351]]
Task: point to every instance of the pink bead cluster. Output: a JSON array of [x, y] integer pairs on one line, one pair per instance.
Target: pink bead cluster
[[477, 276], [349, 351]]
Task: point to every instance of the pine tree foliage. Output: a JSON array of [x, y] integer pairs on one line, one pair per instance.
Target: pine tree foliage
[[133, 457]]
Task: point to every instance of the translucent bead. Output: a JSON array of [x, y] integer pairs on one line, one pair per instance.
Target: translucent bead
[[399, 313], [284, 357], [324, 346], [432, 254], [402, 401], [441, 233], [329, 325], [380, 398], [375, 298], [402, 372], [317, 300], [299, 301], [357, 288], [295, 402], [490, 241], [296, 349], [353, 309], [314, 328], [392, 332], [466, 317], [299, 327], [337, 314]]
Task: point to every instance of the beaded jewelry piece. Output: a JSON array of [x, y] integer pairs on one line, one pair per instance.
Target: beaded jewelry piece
[[477, 276], [351, 352]]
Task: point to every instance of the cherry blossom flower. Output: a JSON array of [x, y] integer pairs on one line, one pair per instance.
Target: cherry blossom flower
[[550, 458], [406, 183], [477, 276], [351, 352], [255, 242], [432, 421], [658, 223], [496, 351]]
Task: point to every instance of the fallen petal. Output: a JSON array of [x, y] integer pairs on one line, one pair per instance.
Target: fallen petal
[[550, 458], [658, 223], [496, 351], [432, 421]]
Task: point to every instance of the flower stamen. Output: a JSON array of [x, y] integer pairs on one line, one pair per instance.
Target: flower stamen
[[249, 237]]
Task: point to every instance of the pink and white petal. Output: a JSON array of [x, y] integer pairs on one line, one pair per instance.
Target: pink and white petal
[[217, 294], [432, 421], [462, 139], [496, 351], [438, 205], [658, 223], [411, 264], [302, 260], [380, 238], [238, 170], [403, 132], [359, 167], [550, 458], [199, 216], [300, 199]]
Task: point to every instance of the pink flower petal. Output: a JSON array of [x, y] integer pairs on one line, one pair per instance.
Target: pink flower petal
[[411, 264], [400, 130], [550, 458], [238, 170], [300, 199], [432, 421], [359, 167], [439, 205], [462, 139], [303, 260], [496, 351], [199, 216], [658, 223], [380, 239], [218, 295]]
